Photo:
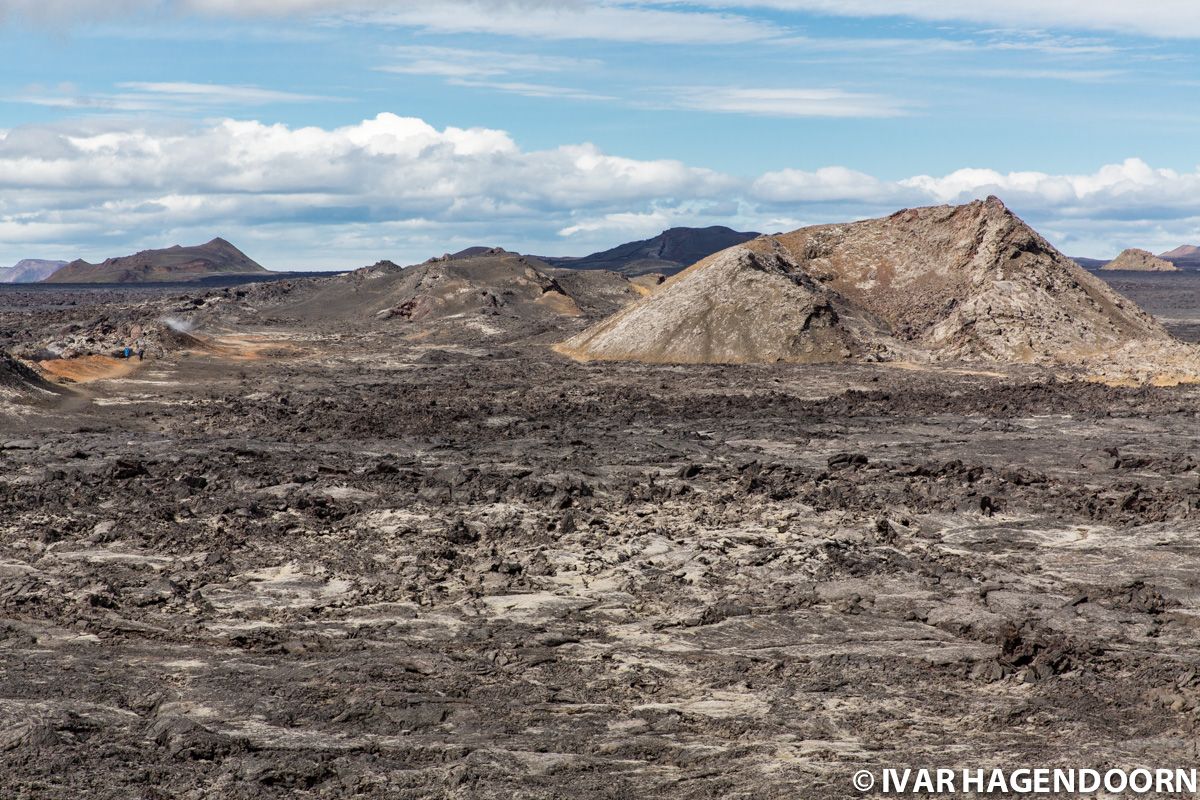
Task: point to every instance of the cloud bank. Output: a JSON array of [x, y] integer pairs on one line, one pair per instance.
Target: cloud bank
[[542, 19], [691, 22], [1163, 18], [397, 187]]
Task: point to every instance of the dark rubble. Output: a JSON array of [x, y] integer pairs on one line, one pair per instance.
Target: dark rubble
[[381, 569]]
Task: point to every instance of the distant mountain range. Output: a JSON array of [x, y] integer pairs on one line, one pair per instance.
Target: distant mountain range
[[31, 270], [668, 253], [177, 263]]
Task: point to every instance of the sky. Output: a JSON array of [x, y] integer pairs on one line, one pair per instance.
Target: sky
[[329, 134]]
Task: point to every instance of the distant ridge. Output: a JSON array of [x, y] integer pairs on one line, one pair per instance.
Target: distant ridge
[[669, 252], [217, 257], [475, 252], [1185, 257], [30, 270], [1183, 251]]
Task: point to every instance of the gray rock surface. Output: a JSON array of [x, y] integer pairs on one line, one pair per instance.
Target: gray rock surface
[[356, 571], [481, 295], [307, 557]]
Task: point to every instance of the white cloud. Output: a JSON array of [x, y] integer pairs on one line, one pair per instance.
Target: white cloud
[[1131, 187], [397, 187], [456, 62], [144, 96], [1129, 190], [69, 10], [545, 19], [387, 170], [626, 223], [717, 21], [613, 21], [786, 102], [629, 225], [1038, 42], [1069, 75], [1162, 18], [1047, 44], [486, 69], [827, 184], [483, 69], [526, 89], [219, 93]]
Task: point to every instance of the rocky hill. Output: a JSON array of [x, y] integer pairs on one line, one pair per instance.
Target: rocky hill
[[668, 253], [1136, 260], [488, 294], [177, 263], [775, 312], [30, 270], [943, 283]]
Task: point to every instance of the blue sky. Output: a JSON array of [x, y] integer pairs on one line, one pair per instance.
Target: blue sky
[[320, 134]]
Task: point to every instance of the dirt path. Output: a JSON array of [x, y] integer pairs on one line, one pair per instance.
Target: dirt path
[[87, 369]]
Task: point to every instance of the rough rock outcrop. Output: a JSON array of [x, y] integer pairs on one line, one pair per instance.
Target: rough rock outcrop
[[944, 283], [1135, 260], [19, 380], [491, 294], [739, 305]]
